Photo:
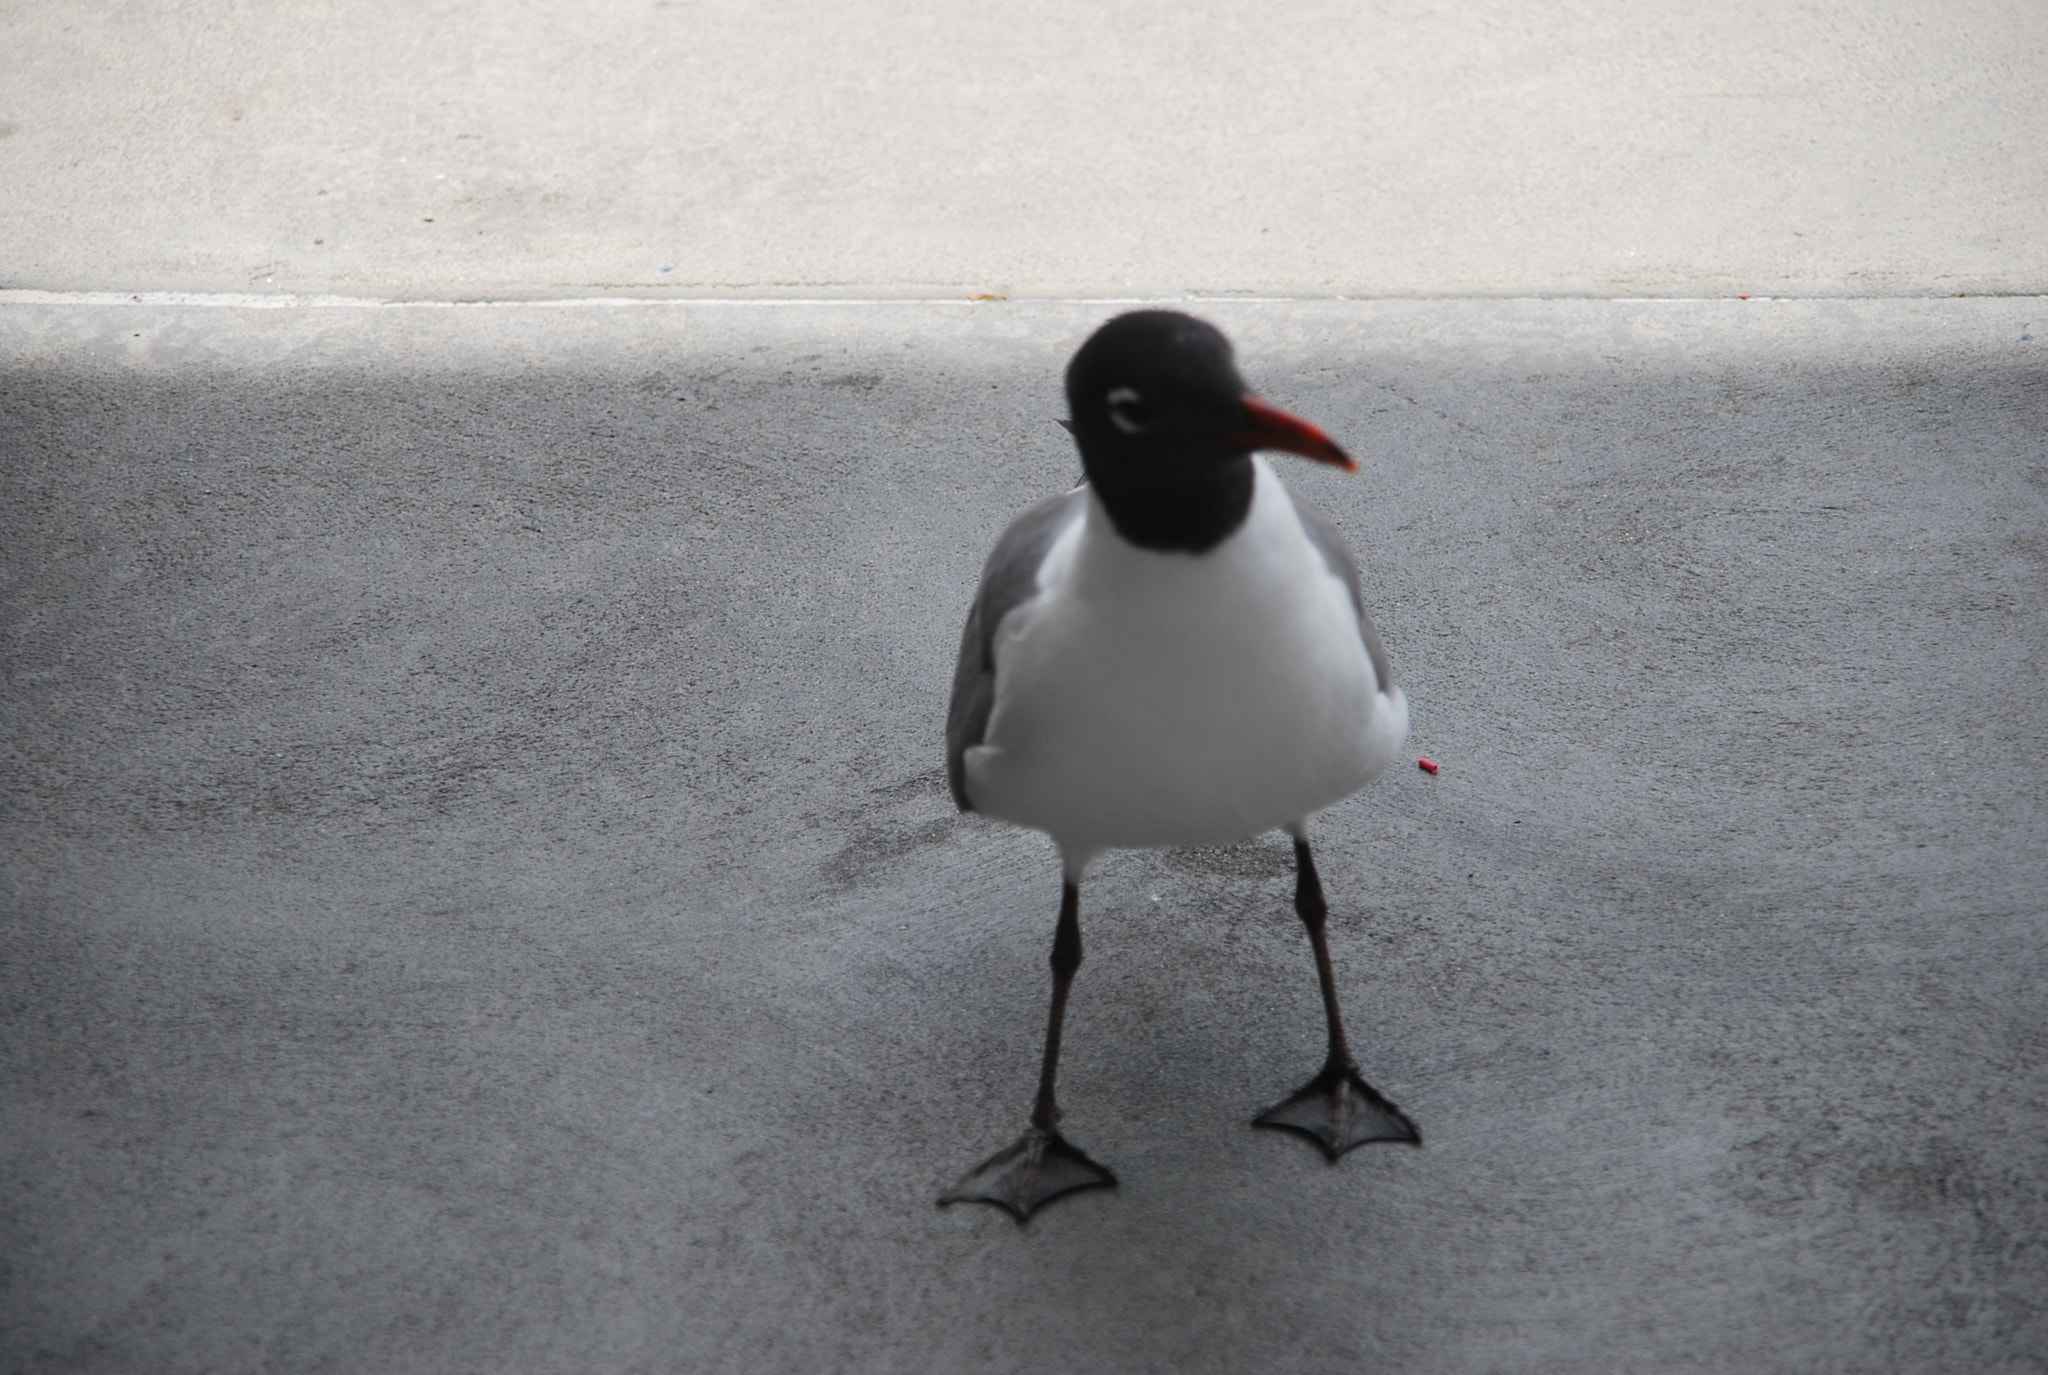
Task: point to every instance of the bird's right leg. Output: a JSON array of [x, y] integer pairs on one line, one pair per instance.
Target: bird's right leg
[[1042, 1165]]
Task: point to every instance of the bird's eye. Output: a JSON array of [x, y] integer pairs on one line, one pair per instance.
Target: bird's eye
[[1127, 410]]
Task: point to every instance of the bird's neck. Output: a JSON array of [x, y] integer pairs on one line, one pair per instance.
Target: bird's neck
[[1175, 504]]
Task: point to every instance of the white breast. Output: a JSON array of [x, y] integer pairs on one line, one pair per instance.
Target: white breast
[[1147, 698]]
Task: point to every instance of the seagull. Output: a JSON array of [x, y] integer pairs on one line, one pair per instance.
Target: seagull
[[1176, 652]]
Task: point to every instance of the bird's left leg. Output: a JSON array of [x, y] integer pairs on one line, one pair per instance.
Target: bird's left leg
[[1337, 1108]]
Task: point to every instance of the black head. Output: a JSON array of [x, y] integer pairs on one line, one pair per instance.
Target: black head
[[1166, 428]]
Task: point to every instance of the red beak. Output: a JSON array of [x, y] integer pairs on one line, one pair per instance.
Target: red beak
[[1270, 427]]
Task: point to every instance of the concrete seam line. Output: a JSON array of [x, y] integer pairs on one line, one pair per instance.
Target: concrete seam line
[[22, 296], [262, 301]]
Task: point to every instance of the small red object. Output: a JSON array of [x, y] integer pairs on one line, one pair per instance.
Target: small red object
[[1426, 765], [1742, 298]]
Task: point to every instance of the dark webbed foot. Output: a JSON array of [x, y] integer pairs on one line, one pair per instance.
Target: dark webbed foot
[[1025, 1177], [1339, 1110]]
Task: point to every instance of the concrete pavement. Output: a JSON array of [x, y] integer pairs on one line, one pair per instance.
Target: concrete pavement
[[477, 889], [482, 895], [1503, 148]]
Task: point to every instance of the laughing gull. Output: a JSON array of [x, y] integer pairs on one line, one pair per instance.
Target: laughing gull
[[1176, 652]]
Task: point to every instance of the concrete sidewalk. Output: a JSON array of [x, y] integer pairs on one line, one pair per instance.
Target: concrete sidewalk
[[481, 892], [1503, 148], [477, 888]]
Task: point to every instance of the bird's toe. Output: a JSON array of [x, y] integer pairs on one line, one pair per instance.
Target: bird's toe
[[1338, 1110], [1024, 1177]]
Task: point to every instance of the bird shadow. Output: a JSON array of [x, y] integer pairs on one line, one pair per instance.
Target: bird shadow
[[894, 820]]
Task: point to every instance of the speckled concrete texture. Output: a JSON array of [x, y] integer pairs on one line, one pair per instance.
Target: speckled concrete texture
[[480, 892], [467, 148]]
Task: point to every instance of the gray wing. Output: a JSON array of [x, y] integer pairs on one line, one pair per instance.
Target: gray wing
[[1008, 579], [1337, 554]]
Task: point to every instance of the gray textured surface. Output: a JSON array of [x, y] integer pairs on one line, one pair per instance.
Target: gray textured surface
[[1501, 147], [480, 891]]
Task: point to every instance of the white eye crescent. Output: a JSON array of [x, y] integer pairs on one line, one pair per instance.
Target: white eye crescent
[[1126, 409]]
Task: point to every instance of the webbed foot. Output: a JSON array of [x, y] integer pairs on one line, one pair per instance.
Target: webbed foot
[[1025, 1177], [1339, 1110]]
